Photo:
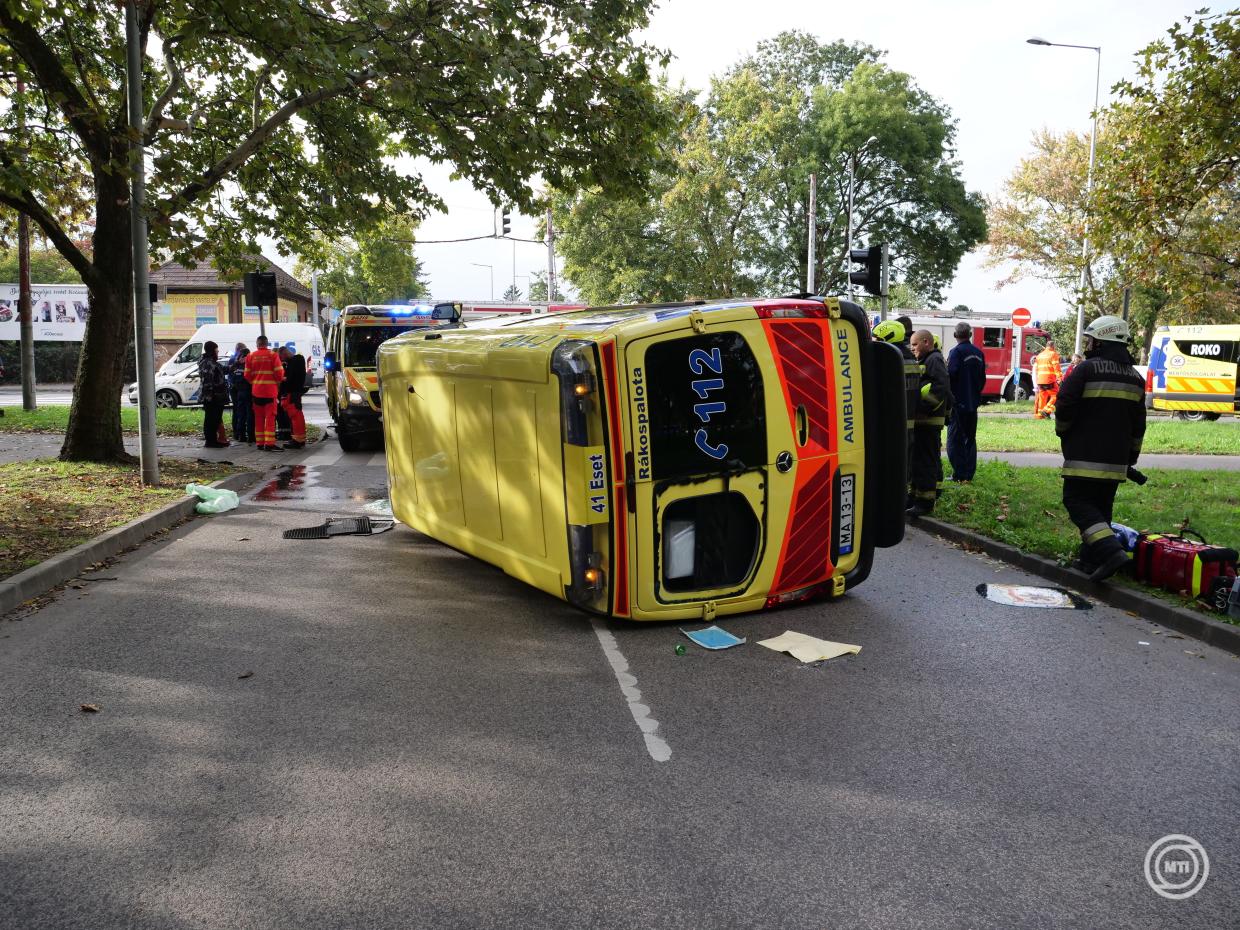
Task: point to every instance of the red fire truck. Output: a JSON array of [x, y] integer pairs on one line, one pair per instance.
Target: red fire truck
[[995, 337]]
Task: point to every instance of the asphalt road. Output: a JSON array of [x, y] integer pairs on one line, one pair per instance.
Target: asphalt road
[[424, 742]]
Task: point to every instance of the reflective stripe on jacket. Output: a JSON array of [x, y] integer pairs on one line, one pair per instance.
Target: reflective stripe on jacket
[[936, 392], [264, 371], [1100, 416]]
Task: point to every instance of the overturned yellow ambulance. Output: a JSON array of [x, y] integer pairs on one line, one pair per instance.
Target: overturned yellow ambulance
[[655, 462]]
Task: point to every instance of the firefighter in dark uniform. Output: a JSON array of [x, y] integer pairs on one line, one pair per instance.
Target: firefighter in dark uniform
[[1100, 419], [933, 401], [892, 331]]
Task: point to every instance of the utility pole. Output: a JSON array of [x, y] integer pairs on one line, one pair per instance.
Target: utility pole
[[883, 301], [550, 258], [514, 266], [143, 342], [314, 298], [813, 216], [24, 316]]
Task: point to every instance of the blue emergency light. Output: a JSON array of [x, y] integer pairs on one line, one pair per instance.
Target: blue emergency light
[[412, 310]]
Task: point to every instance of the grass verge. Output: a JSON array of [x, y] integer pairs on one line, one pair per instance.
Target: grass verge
[[1001, 434], [1023, 507], [48, 506], [176, 421]]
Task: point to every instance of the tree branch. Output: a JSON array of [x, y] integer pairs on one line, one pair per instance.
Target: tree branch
[[51, 76], [64, 245], [176, 79], [252, 142]]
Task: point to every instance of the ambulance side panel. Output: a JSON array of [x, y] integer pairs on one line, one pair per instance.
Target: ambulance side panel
[[474, 454]]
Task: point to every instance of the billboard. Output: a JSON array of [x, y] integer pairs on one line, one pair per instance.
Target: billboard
[[58, 311], [177, 316]]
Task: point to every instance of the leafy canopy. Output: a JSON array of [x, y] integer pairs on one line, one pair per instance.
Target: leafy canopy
[[1167, 199], [727, 210], [378, 266], [306, 107]]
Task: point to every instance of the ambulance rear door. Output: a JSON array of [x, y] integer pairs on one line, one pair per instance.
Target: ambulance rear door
[[703, 473]]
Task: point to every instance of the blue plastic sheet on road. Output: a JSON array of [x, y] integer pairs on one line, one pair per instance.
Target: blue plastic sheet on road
[[714, 638]]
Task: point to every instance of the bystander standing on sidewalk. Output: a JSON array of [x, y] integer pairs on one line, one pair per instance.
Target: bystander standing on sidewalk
[[242, 402], [966, 369], [213, 388], [291, 389]]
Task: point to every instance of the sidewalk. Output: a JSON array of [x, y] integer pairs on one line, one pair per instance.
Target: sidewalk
[[1146, 463], [21, 447]]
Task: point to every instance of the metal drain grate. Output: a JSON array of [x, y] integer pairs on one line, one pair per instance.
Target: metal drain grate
[[340, 526]]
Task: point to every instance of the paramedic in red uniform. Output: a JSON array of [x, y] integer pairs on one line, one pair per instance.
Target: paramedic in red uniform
[[264, 372], [291, 389], [1100, 419]]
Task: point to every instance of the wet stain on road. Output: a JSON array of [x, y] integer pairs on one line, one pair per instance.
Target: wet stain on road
[[300, 484]]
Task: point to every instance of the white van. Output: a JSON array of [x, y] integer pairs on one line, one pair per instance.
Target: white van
[[176, 381]]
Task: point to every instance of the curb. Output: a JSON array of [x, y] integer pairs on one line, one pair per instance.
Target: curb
[[41, 578], [1223, 636]]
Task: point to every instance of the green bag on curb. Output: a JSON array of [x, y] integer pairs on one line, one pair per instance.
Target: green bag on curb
[[213, 500]]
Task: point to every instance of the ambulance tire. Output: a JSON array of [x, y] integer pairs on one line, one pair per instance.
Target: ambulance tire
[[1195, 416], [349, 442]]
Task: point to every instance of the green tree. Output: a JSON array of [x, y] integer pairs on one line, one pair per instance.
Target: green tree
[[46, 267], [538, 289], [379, 266], [1167, 199], [512, 293], [1038, 224], [299, 111], [726, 212]]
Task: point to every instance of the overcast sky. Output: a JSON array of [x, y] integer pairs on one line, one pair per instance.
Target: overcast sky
[[971, 54]]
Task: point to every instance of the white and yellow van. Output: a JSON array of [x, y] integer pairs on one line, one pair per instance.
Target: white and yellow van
[[655, 462], [1192, 371], [351, 381]]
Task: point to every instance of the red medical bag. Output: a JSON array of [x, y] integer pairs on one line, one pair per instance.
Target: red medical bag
[[1184, 566]]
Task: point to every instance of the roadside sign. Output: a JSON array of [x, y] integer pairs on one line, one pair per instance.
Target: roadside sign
[[1021, 316]]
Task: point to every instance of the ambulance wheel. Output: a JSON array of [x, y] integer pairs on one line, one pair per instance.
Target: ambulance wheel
[[167, 398], [348, 441], [1195, 416]]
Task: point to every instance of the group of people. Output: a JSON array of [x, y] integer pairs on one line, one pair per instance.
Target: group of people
[[1098, 405], [261, 385], [938, 393]]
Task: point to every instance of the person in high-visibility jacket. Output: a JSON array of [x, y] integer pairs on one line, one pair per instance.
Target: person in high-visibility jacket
[[892, 331], [1047, 377], [935, 400], [264, 371]]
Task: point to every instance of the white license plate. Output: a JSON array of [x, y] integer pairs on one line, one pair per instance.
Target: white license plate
[[847, 512]]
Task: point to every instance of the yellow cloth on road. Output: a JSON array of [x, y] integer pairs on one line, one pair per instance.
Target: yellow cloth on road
[[808, 648]]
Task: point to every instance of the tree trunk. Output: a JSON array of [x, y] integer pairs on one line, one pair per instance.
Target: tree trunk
[[94, 433]]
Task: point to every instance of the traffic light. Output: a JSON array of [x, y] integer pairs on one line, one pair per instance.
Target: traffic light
[[871, 259], [260, 288], [505, 222]]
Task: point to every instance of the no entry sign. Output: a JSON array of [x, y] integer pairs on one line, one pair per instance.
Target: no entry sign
[[1021, 316]]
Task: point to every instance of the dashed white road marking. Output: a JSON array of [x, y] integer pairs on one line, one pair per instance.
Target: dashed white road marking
[[658, 748], [379, 459]]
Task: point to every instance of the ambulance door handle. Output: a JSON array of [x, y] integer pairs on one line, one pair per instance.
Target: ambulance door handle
[[802, 425]]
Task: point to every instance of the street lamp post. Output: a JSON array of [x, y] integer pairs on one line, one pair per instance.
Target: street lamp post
[[144, 344], [1089, 181], [848, 228], [491, 269]]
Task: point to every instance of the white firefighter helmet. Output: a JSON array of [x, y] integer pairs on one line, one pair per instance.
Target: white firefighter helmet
[[1108, 329]]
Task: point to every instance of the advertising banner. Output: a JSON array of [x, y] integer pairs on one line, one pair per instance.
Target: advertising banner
[[58, 312], [178, 315]]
